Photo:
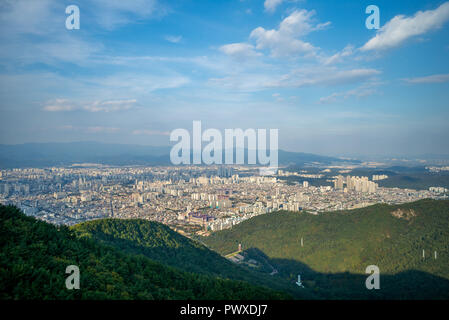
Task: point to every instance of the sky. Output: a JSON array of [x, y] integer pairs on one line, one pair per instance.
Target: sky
[[135, 70]]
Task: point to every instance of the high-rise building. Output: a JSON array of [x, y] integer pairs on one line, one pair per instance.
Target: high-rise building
[[360, 184], [224, 172], [349, 182], [338, 183]]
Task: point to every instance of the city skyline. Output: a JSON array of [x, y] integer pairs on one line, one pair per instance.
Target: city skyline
[[135, 71]]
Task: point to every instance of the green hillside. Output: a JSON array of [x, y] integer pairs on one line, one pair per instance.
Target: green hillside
[[34, 256], [159, 243], [139, 259], [338, 247]]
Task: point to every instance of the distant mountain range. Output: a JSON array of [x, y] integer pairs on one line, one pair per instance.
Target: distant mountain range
[[60, 154]]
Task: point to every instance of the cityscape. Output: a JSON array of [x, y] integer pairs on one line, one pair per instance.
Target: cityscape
[[224, 158], [201, 199]]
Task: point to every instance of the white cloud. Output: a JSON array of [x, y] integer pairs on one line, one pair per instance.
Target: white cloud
[[242, 82], [34, 32], [324, 77], [28, 17], [320, 76], [100, 129], [173, 39], [278, 97], [436, 78], [44, 16], [362, 91], [338, 57], [239, 50], [59, 105], [66, 49], [285, 40], [111, 14], [151, 132], [90, 129], [139, 7], [271, 5], [332, 98], [401, 28], [141, 83], [110, 105], [51, 51], [105, 106]]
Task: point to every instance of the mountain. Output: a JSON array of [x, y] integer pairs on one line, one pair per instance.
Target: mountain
[[301, 158], [139, 259], [60, 154], [338, 246], [34, 256], [161, 244]]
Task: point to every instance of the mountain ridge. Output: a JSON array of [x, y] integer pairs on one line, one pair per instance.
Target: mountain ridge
[[349, 241], [59, 154], [140, 259], [34, 256]]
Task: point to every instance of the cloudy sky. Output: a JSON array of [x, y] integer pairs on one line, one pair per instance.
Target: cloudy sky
[[137, 69]]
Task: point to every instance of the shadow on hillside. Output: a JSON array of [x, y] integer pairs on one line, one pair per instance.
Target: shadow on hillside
[[203, 261], [405, 285], [411, 284], [281, 274]]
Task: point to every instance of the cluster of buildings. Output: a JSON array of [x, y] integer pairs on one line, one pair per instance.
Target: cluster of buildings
[[438, 190], [188, 198], [438, 169], [377, 177], [302, 173], [358, 184]]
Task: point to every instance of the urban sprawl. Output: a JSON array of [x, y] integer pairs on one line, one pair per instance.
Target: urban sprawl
[[199, 199]]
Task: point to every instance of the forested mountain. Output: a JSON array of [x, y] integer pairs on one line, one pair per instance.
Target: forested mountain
[[34, 256], [139, 259], [338, 246], [159, 243]]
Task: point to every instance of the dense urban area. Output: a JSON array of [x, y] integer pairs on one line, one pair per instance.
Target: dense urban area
[[191, 199]]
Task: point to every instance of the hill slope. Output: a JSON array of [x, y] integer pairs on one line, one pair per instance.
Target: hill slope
[[137, 259], [159, 243], [34, 256], [391, 237]]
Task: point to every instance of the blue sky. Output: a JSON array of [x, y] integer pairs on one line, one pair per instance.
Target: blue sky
[[135, 70]]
